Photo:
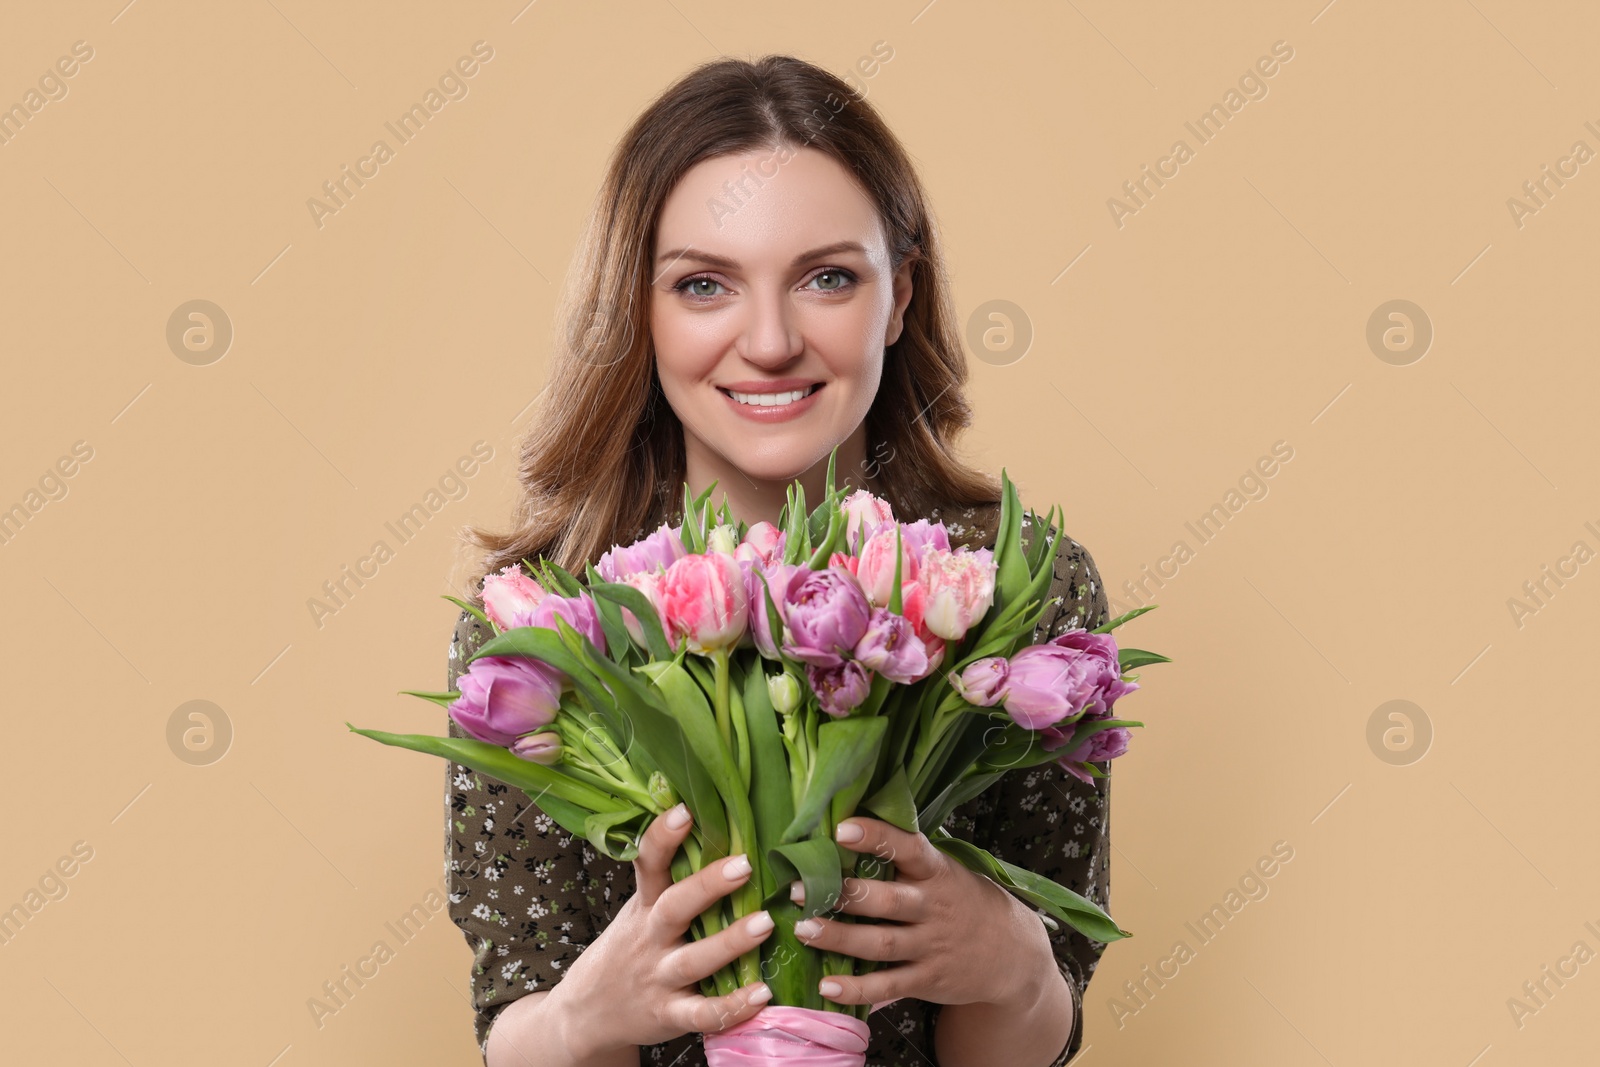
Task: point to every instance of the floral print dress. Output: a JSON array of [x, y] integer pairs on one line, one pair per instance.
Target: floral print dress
[[528, 896]]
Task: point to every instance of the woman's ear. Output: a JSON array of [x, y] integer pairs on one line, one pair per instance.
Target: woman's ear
[[902, 298]]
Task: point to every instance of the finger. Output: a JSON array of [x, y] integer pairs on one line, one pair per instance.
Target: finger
[[902, 901], [680, 902], [913, 855], [694, 960], [708, 1015], [652, 867], [861, 896], [879, 987], [884, 942]]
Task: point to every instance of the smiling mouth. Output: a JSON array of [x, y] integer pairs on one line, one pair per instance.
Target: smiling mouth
[[771, 400]]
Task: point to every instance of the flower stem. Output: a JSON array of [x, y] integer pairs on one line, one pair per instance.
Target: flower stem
[[946, 731], [711, 921], [746, 899], [741, 733], [719, 659]]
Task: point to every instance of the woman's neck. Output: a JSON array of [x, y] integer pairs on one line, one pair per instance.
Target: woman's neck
[[751, 499]]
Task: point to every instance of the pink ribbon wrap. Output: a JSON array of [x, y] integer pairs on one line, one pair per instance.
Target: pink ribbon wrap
[[778, 1035]]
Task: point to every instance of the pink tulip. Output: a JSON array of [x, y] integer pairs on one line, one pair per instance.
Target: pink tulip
[[913, 601], [763, 545], [705, 601], [862, 507], [875, 568], [509, 591], [959, 587]]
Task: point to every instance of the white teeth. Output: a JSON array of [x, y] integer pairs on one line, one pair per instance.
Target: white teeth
[[768, 400]]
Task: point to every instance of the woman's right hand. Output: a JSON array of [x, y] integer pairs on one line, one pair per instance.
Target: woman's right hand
[[638, 982]]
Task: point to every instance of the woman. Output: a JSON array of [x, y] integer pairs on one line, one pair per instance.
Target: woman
[[761, 282]]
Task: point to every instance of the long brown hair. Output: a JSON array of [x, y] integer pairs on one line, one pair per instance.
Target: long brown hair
[[603, 459]]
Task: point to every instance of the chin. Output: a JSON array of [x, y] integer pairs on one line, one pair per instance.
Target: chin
[[778, 461]]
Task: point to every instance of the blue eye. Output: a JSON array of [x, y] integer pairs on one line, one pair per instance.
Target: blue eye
[[842, 279], [702, 288], [684, 286]]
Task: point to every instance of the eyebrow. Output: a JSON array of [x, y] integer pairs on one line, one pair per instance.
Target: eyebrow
[[690, 252]]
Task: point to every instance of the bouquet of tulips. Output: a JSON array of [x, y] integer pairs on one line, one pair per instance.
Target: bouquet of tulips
[[777, 680]]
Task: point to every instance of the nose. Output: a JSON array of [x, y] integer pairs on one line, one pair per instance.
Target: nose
[[771, 334]]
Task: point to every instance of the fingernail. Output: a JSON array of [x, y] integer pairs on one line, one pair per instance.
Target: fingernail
[[830, 988], [678, 817], [848, 832], [797, 891], [807, 928], [758, 924], [760, 994], [737, 867]]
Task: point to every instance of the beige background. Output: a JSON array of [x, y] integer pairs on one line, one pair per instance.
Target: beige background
[[1168, 356]]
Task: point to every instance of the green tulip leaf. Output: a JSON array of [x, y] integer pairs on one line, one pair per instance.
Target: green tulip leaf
[[893, 803], [1071, 908], [815, 861], [473, 610], [1133, 658], [635, 601], [1107, 627], [444, 700], [659, 733], [600, 830], [565, 799], [846, 748], [771, 800]]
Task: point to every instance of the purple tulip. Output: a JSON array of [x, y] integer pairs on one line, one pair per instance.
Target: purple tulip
[[543, 747], [579, 611], [503, 697], [839, 688], [891, 648], [778, 579], [661, 549], [1096, 748], [983, 682], [1067, 677], [922, 535], [1102, 650], [826, 613]]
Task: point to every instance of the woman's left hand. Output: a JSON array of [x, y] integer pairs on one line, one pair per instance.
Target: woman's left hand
[[952, 936]]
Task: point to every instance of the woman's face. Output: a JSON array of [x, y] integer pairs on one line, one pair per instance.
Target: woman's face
[[770, 310]]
